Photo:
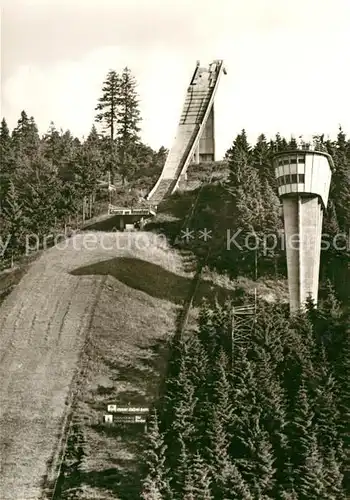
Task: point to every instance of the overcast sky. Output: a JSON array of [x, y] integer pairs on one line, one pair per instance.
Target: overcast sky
[[287, 61]]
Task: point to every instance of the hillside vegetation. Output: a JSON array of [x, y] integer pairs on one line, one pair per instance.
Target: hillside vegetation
[[48, 182], [91, 340], [242, 199], [259, 411]]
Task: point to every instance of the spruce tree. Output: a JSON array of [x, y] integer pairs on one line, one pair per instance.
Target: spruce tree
[[93, 137], [14, 223], [264, 467], [107, 115], [53, 147], [239, 156], [108, 103], [207, 331], [340, 187], [227, 481], [333, 476], [7, 162], [128, 119], [4, 132], [188, 488], [150, 490], [221, 389], [262, 161], [272, 401], [5, 142], [41, 195], [25, 136], [311, 475], [180, 436], [157, 475], [201, 478], [199, 373], [299, 431]]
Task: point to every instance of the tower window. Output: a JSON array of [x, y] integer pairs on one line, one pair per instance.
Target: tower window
[[301, 178]]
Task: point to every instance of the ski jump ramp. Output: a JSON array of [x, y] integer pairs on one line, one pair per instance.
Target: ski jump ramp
[[194, 139]]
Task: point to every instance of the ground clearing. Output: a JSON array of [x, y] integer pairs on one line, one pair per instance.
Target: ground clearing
[[43, 325]]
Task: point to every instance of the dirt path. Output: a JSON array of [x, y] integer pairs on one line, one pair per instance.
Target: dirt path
[[43, 324]]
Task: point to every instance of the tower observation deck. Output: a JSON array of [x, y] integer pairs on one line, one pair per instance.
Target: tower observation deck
[[194, 139], [303, 177]]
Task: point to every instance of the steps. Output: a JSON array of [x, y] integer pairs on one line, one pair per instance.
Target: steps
[[189, 261]]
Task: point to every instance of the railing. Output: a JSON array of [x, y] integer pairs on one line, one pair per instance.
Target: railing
[[311, 146], [131, 211]]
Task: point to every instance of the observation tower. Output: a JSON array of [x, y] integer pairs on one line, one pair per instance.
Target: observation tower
[[303, 178]]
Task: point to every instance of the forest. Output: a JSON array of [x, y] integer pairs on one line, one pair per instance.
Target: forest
[[264, 415], [261, 415], [46, 182]]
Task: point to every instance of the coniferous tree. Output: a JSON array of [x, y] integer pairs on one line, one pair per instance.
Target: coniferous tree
[[128, 119], [25, 136], [156, 481], [311, 476], [93, 137], [207, 331], [262, 162], [4, 132], [108, 103], [264, 481], [333, 476], [180, 436], [201, 478], [41, 195], [189, 488], [227, 481], [12, 234], [107, 115], [5, 143], [150, 490], [53, 145], [7, 164], [341, 181], [221, 389], [199, 372]]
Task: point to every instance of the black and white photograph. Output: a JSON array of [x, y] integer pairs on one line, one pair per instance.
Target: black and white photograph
[[175, 250]]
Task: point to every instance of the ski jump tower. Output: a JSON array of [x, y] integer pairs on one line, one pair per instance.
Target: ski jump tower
[[194, 141], [303, 178]]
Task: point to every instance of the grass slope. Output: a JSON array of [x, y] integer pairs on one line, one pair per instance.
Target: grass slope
[[44, 324], [126, 358]]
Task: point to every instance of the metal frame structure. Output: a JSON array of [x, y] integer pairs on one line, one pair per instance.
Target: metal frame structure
[[243, 320]]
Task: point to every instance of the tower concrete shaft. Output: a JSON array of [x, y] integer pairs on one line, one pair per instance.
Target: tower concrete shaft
[[303, 178], [205, 151]]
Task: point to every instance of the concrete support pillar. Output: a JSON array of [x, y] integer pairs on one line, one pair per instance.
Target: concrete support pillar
[[196, 155], [303, 226], [121, 223], [207, 141]]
